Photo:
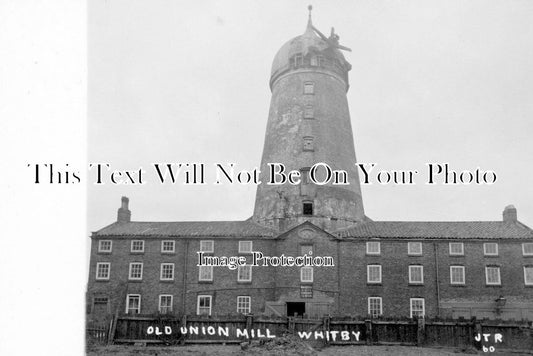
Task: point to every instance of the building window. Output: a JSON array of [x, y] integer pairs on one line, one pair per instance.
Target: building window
[[167, 271], [304, 174], [490, 249], [375, 308], [306, 274], [309, 112], [417, 307], [373, 248], [168, 246], [245, 246], [456, 249], [137, 246], [244, 273], [457, 274], [101, 301], [133, 304], [105, 245], [528, 275], [307, 208], [204, 305], [308, 143], [492, 274], [205, 273], [416, 274], [527, 249], [306, 292], [306, 250], [320, 61], [309, 88], [207, 246], [373, 273], [136, 271], [244, 304], [165, 303], [102, 270], [414, 248]]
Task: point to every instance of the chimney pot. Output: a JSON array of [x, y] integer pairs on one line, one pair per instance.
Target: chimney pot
[[509, 214]]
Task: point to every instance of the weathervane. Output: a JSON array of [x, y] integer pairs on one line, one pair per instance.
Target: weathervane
[[332, 40]]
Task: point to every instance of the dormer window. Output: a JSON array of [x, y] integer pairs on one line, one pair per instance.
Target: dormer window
[[298, 60]]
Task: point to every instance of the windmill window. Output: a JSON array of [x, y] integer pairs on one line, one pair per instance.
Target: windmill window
[[309, 88], [308, 208], [309, 112], [308, 143]]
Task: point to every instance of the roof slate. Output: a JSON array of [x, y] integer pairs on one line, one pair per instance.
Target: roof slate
[[438, 230], [186, 228]]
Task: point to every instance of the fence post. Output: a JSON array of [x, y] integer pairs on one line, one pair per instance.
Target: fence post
[[183, 324], [249, 321], [478, 330], [113, 328], [368, 327], [326, 326], [421, 330], [291, 324]]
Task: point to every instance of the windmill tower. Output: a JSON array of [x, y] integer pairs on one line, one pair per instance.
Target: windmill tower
[[309, 123]]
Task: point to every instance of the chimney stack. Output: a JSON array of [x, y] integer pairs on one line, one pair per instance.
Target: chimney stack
[[124, 213], [509, 214]]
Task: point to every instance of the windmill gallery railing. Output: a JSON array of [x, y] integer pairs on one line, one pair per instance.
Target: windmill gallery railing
[[458, 333]]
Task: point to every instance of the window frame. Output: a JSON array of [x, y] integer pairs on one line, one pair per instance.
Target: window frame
[[524, 253], [239, 268], [200, 279], [485, 253], [251, 246], [499, 283], [137, 251], [171, 303], [525, 275], [100, 250], [410, 252], [462, 268], [380, 306], [200, 296], [462, 253], [368, 267], [212, 246], [98, 264], [130, 278], [248, 310], [165, 264], [302, 274], [128, 303], [411, 300], [168, 251], [412, 267], [369, 243]]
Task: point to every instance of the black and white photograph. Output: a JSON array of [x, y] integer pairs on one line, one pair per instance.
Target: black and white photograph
[[293, 178]]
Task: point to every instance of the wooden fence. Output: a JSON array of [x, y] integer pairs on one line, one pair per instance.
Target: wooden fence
[[457, 333]]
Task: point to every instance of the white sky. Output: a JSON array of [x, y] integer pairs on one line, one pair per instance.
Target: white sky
[[432, 81]]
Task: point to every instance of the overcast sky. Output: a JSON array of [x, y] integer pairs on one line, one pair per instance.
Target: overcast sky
[[432, 81]]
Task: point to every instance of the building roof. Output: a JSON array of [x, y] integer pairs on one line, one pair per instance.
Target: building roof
[[245, 228], [438, 230]]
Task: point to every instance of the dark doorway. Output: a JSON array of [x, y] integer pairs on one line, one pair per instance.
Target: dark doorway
[[297, 308]]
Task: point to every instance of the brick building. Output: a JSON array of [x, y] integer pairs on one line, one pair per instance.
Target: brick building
[[482, 269]]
